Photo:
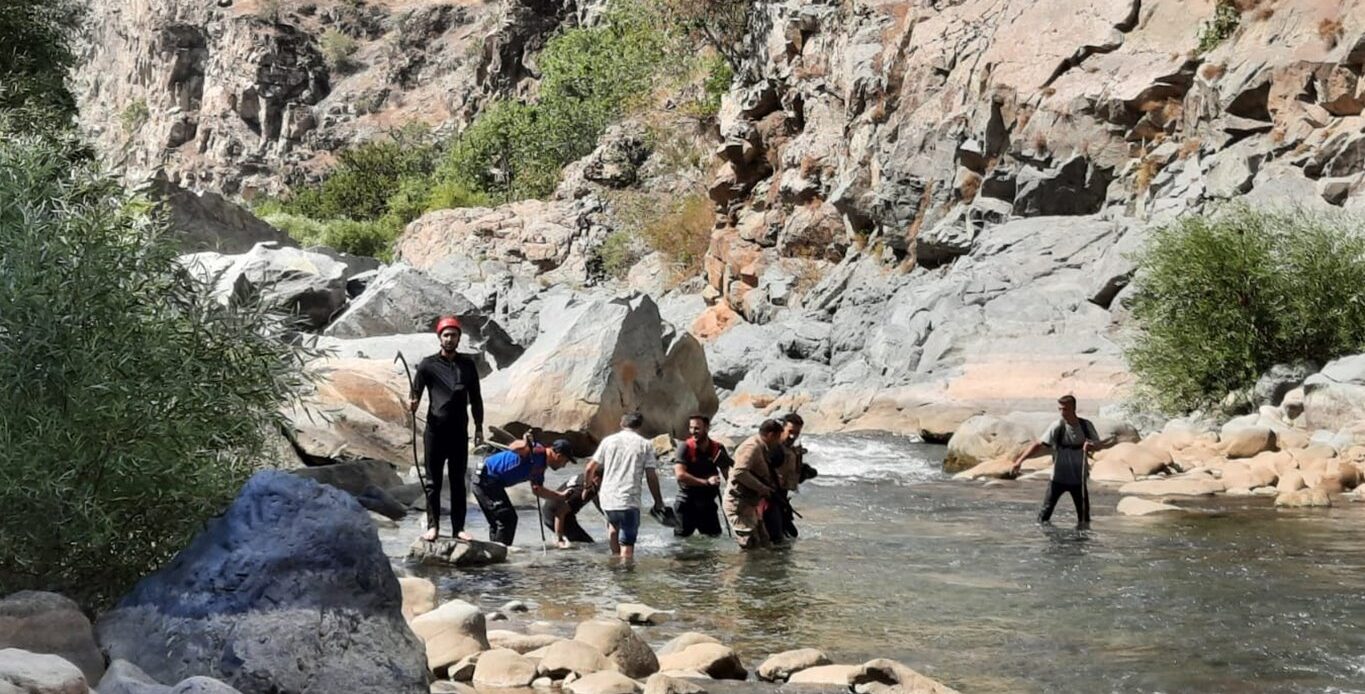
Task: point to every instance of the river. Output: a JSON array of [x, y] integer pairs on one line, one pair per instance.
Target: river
[[957, 581]]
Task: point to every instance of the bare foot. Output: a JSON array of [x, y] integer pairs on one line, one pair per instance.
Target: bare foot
[[430, 535], [464, 536]]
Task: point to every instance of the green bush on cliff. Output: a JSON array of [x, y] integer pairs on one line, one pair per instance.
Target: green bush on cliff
[[134, 404], [1221, 298], [34, 61], [590, 77]]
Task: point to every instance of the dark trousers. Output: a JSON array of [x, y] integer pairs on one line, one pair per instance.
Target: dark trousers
[[696, 511], [1079, 495], [573, 532], [497, 508], [447, 447], [779, 519]]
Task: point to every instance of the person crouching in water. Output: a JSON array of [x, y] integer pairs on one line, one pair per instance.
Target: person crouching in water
[[524, 461], [700, 463], [751, 485], [616, 469], [562, 516]]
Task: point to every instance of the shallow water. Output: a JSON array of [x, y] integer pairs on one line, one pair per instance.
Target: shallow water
[[957, 581]]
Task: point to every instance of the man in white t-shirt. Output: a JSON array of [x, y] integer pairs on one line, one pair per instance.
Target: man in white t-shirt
[[621, 460]]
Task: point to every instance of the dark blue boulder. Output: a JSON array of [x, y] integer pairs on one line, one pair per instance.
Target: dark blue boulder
[[288, 591]]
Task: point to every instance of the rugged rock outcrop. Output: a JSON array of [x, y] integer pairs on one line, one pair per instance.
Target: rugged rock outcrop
[[309, 286], [552, 239], [967, 179], [289, 590], [250, 97]]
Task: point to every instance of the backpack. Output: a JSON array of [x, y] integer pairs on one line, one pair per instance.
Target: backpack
[[1087, 428]]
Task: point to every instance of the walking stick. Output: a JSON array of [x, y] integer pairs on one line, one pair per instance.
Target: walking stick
[[719, 497], [412, 418], [541, 524]]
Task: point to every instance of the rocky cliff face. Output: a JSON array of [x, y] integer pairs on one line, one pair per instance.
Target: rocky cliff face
[[966, 177], [918, 203], [251, 96]]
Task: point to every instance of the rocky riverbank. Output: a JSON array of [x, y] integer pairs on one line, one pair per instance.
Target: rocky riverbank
[[290, 591], [1304, 446]]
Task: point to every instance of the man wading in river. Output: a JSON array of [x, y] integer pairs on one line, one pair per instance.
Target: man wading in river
[[700, 464], [616, 469], [452, 385], [751, 485], [1071, 439]]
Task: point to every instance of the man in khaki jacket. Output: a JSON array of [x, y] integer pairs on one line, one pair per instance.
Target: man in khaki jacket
[[751, 484]]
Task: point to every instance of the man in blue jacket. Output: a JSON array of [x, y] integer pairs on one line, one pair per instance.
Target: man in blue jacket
[[524, 461]]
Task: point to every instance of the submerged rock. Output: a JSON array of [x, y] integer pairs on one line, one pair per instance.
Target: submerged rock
[[779, 667], [1133, 506], [456, 552]]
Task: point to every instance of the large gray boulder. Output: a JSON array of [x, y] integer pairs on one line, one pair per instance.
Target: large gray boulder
[[311, 286], [41, 622], [403, 300], [289, 590], [594, 360], [1334, 398], [206, 221]]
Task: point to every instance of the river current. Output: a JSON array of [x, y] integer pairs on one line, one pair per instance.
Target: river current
[[957, 581]]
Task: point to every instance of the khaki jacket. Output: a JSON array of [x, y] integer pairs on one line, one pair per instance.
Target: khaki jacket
[[750, 478]]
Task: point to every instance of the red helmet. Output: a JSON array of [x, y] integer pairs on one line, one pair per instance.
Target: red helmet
[[448, 322]]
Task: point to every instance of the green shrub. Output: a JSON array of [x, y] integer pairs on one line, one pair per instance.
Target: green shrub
[[134, 403], [591, 76], [366, 176], [617, 254], [372, 238], [134, 116], [1221, 298], [719, 75], [1219, 28], [338, 48], [37, 57]]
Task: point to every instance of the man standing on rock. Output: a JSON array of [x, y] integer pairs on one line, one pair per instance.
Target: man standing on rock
[[524, 461], [752, 484], [700, 462], [1071, 439], [621, 460], [451, 382]]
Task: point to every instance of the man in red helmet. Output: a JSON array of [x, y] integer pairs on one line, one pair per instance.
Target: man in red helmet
[[452, 385]]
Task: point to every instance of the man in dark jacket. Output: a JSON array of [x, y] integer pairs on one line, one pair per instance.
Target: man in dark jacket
[[451, 382], [561, 516], [700, 462]]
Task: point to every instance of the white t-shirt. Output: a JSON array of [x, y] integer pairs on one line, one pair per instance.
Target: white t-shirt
[[623, 457]]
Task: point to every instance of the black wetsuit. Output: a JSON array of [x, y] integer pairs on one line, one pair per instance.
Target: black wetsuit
[[452, 385], [695, 507], [572, 530]]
